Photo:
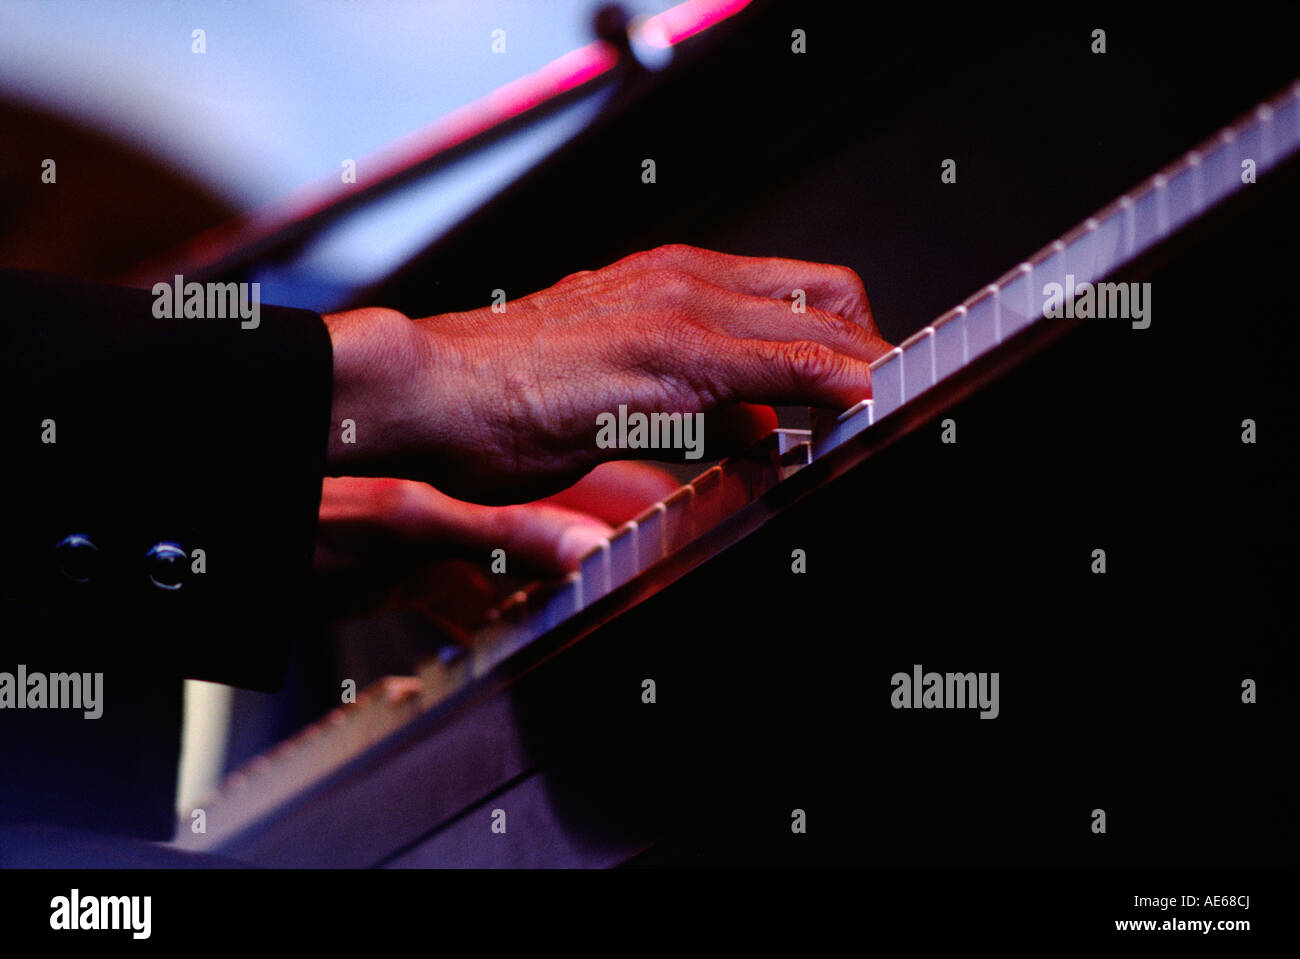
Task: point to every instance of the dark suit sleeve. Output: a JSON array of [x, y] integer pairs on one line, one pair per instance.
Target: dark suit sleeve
[[144, 436]]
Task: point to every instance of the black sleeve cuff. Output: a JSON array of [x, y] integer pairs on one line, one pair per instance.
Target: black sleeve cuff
[[193, 431]]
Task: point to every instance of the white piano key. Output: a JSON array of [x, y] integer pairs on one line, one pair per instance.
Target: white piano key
[[624, 558], [844, 427], [982, 322], [486, 642], [787, 441], [1271, 146], [1128, 229], [679, 519], [1048, 267], [594, 575], [1249, 145], [826, 428], [706, 490], [918, 363], [887, 383], [1286, 114], [950, 342], [856, 418], [560, 603], [1146, 217], [440, 675], [1018, 302], [853, 411], [1160, 184], [823, 425], [1182, 202], [1108, 245], [511, 629], [1196, 165], [831, 430], [1221, 172], [795, 458], [1284, 126], [791, 451], [1080, 252], [650, 536]]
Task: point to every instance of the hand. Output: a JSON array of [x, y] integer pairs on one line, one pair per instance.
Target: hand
[[379, 540], [498, 407]]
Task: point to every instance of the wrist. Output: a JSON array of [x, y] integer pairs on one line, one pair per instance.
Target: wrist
[[380, 377]]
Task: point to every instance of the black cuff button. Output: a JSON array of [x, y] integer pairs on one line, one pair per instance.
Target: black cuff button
[[78, 558], [166, 565]]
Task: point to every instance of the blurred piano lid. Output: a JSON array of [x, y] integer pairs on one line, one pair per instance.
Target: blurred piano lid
[[270, 131]]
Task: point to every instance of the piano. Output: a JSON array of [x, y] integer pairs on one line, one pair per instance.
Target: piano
[[722, 664]]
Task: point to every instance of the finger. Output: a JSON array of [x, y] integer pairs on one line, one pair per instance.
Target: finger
[[734, 428], [537, 537], [760, 318], [726, 430], [543, 537], [405, 522], [614, 492], [834, 289], [365, 526], [763, 371]]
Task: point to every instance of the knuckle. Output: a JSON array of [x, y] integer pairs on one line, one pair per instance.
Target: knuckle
[[672, 252], [692, 337], [399, 500], [657, 258], [672, 256], [652, 340], [810, 362], [853, 292], [846, 275], [683, 353], [677, 336], [845, 279], [643, 285], [833, 326], [676, 282]]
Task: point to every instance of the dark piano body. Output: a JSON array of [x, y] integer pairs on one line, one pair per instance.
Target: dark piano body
[[1119, 691]]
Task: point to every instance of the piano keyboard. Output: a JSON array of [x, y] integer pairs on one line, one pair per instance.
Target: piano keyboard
[[723, 503]]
